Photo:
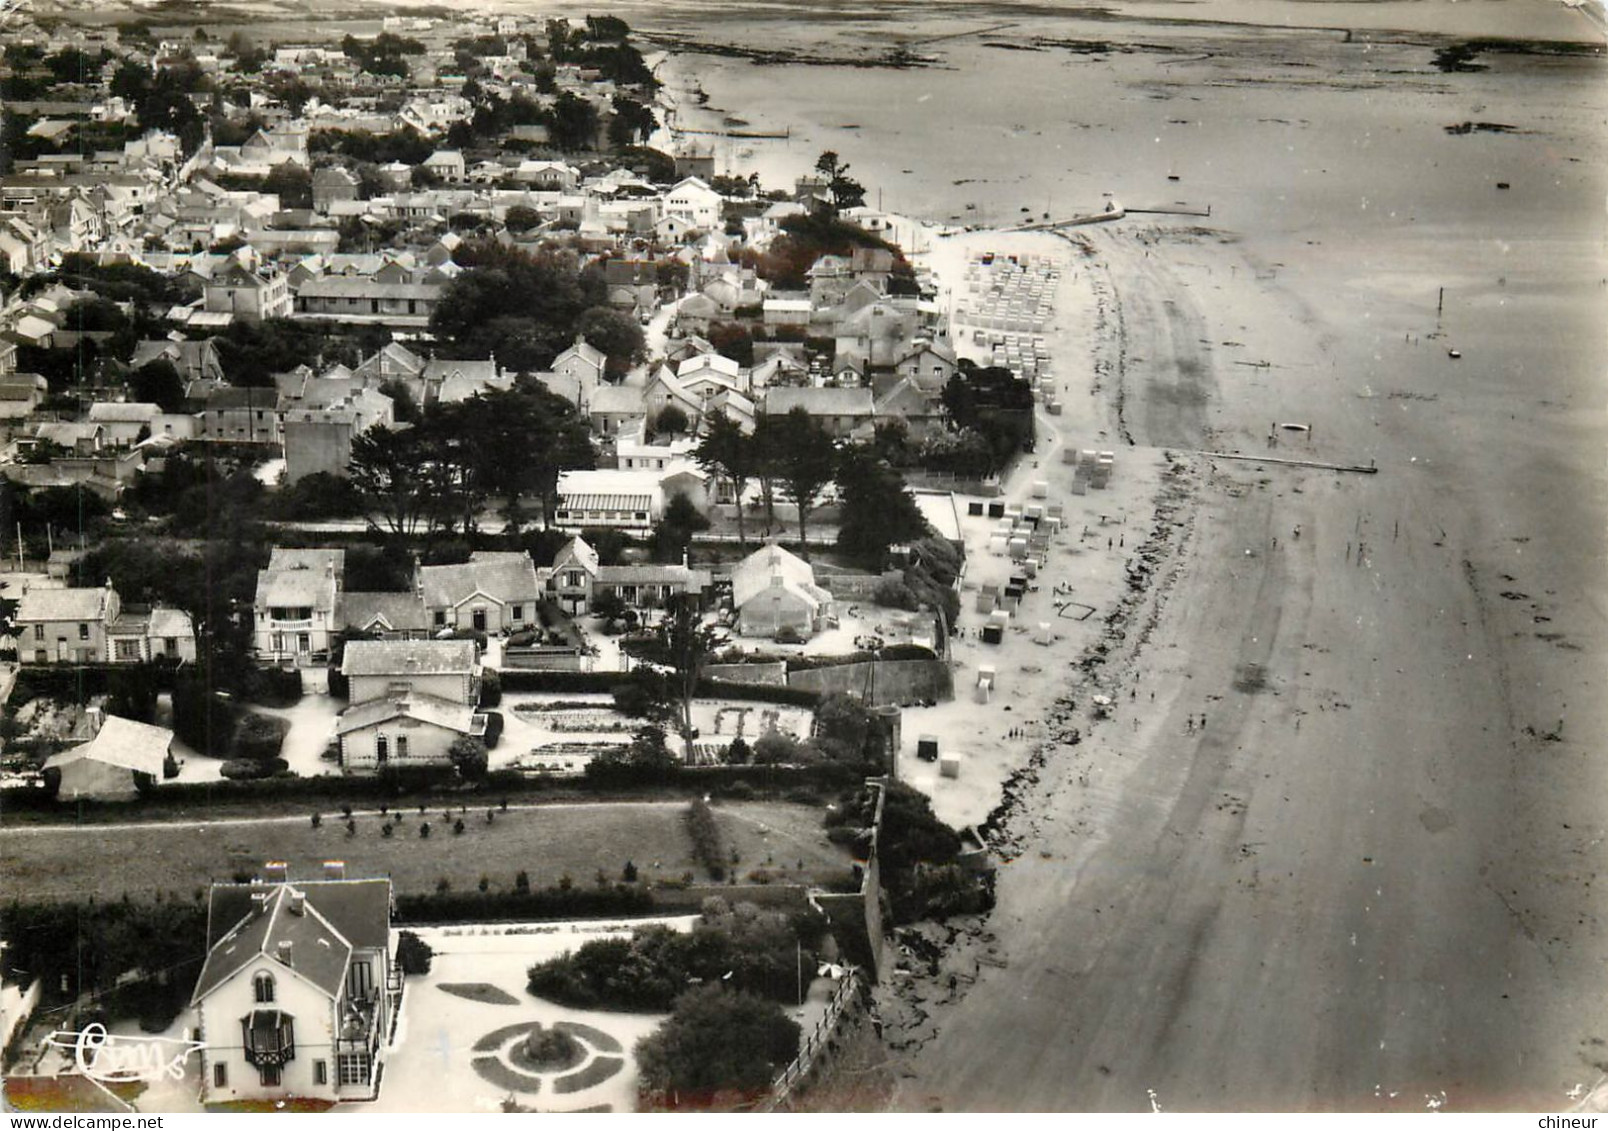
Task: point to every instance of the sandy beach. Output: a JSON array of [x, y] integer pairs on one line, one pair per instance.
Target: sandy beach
[[1335, 847]]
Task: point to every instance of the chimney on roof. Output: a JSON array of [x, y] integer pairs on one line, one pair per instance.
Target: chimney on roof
[[282, 952], [298, 902], [276, 872], [334, 869]]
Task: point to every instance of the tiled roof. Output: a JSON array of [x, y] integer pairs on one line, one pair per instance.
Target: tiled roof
[[402, 612], [506, 576], [408, 657], [819, 402], [295, 588], [63, 604], [422, 708], [303, 941], [121, 742], [359, 909]]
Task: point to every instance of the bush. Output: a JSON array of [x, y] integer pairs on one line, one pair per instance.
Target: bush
[[773, 748], [201, 719], [251, 769], [413, 954], [490, 689], [716, 1041], [274, 687], [468, 756], [706, 840], [892, 593], [494, 729], [259, 737], [739, 753]]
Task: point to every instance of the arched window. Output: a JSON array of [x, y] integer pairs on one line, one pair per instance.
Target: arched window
[[264, 985]]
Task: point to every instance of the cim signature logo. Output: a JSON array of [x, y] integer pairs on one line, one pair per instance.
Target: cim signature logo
[[114, 1059]]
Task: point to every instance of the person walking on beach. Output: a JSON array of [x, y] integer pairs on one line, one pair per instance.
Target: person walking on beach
[[1189, 723]]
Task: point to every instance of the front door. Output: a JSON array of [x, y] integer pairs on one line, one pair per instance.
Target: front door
[[479, 620]]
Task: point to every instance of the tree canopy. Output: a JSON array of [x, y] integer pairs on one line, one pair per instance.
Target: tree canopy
[[878, 510], [717, 1040], [806, 462], [524, 307]]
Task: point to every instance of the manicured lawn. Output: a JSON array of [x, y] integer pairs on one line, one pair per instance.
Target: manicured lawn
[[548, 843]]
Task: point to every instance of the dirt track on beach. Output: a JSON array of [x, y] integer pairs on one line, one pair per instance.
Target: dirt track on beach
[[1367, 882]]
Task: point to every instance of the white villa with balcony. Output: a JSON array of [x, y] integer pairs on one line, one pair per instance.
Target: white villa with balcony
[[298, 991]]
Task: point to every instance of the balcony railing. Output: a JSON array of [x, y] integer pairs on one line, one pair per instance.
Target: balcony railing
[[269, 1037], [360, 1026]]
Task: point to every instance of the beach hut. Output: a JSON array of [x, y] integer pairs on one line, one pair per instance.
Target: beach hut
[[1018, 548], [949, 766], [927, 748], [986, 600], [1045, 633], [985, 683], [1041, 488], [994, 630]]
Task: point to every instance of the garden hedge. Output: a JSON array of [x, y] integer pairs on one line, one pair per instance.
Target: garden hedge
[[577, 902], [606, 682]]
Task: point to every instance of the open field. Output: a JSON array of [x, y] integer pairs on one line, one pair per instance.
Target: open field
[[548, 842]]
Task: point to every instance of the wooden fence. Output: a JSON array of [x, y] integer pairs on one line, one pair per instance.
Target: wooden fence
[[850, 990]]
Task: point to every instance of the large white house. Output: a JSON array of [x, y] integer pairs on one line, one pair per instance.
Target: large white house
[[298, 989], [294, 610]]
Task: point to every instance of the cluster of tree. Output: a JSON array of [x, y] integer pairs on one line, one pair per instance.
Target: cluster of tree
[[720, 1049], [843, 191], [382, 55], [804, 239], [30, 73], [248, 57], [572, 122], [748, 948], [161, 100], [524, 307], [632, 122], [794, 453], [406, 146], [646, 760], [996, 404], [252, 352], [918, 854], [288, 180], [84, 948], [495, 116], [602, 43], [928, 580], [438, 473]]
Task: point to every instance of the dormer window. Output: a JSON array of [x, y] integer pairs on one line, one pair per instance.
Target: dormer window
[[263, 986]]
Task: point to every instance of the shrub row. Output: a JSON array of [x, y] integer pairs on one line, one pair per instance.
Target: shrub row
[[706, 840], [736, 782], [605, 682], [76, 683], [546, 903]]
